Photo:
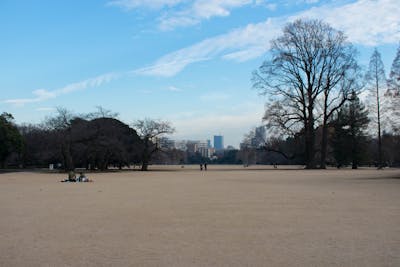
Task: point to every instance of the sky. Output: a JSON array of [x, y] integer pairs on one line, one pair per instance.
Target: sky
[[186, 62]]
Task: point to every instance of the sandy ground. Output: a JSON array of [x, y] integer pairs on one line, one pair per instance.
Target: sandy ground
[[227, 216]]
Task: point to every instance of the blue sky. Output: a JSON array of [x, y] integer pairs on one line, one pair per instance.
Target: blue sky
[[188, 62]]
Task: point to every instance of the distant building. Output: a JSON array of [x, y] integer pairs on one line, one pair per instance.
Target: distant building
[[199, 147], [209, 143], [191, 146], [206, 152], [218, 142]]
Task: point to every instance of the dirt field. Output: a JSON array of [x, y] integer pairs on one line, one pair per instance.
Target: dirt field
[[227, 216]]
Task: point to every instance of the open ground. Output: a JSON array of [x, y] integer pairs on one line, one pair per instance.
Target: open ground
[[227, 216]]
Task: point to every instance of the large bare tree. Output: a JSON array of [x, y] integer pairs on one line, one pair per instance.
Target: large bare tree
[[306, 79], [149, 130]]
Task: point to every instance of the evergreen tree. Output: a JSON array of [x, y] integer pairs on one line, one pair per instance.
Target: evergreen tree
[[340, 139], [10, 138], [349, 140]]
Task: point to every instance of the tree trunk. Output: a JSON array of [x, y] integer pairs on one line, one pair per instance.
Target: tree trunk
[[310, 140], [68, 162], [354, 152], [380, 166], [145, 155], [354, 144], [324, 146]]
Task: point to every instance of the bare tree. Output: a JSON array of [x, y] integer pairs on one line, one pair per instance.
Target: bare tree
[[309, 63], [61, 124], [102, 112], [376, 82], [394, 75], [149, 130], [393, 93], [60, 121]]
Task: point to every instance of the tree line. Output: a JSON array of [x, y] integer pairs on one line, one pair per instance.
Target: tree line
[[94, 141], [313, 84]]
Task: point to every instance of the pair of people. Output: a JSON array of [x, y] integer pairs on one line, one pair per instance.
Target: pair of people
[[201, 166]]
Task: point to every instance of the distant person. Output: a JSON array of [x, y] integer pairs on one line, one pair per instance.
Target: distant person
[[201, 166], [205, 166], [82, 177], [71, 177]]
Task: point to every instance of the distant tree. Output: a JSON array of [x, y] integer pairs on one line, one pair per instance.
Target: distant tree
[[376, 82], [291, 148], [149, 130], [350, 139], [10, 138], [169, 156], [41, 145], [391, 147], [309, 63]]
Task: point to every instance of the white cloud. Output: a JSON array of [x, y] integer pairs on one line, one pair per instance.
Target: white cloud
[[153, 4], [198, 11], [43, 94], [366, 22], [183, 13]]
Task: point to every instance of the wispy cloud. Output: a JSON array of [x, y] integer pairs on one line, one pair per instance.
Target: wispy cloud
[[199, 10], [365, 22], [240, 45], [183, 13], [153, 4], [43, 94]]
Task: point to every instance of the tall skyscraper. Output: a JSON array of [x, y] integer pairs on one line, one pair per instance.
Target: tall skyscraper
[[218, 142]]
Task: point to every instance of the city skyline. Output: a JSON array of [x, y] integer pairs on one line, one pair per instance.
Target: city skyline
[[187, 62]]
